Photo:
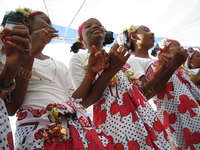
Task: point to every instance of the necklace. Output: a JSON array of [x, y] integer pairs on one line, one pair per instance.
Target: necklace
[[51, 81]]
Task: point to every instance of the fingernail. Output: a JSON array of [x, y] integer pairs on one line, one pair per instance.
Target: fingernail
[[10, 43], [8, 37]]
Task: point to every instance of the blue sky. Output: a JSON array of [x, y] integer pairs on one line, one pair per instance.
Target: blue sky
[[72, 33]]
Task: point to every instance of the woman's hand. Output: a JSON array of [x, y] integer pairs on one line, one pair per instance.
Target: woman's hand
[[17, 43], [196, 79], [98, 61], [179, 57], [164, 60], [117, 57], [40, 38]]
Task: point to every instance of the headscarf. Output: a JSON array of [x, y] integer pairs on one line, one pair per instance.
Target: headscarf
[[14, 18], [82, 46], [164, 44], [108, 37], [124, 37], [190, 51]]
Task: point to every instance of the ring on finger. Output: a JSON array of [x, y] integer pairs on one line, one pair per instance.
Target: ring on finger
[[2, 35], [120, 48], [46, 31], [182, 50], [28, 47]]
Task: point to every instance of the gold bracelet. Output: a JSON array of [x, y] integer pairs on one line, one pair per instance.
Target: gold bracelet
[[147, 89], [81, 106], [26, 74], [6, 91]]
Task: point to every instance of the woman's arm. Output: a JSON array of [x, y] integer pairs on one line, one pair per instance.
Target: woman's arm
[[39, 40], [89, 92], [159, 80], [15, 43]]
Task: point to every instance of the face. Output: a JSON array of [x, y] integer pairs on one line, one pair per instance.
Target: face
[[93, 32], [38, 22], [172, 46], [195, 59], [146, 37]]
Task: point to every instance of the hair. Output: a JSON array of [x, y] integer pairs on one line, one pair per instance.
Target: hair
[[14, 17], [108, 40], [127, 42], [155, 49], [75, 47]]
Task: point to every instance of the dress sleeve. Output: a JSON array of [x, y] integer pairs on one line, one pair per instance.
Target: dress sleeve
[[69, 82], [137, 67], [76, 70]]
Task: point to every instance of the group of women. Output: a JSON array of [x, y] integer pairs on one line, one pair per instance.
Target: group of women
[[50, 100]]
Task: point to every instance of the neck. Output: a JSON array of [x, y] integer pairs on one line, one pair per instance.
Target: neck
[[41, 56], [142, 53], [98, 47]]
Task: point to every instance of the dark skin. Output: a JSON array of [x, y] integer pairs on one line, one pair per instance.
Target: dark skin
[[93, 36], [169, 62], [39, 39], [193, 64], [194, 60], [16, 54]]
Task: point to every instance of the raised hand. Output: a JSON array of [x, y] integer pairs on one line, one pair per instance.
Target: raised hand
[[40, 38], [179, 56], [17, 43], [117, 57], [98, 61], [164, 60]]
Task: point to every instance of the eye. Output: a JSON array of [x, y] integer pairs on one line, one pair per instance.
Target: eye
[[47, 21], [87, 26]]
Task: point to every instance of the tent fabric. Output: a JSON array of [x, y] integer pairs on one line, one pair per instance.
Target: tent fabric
[[175, 19]]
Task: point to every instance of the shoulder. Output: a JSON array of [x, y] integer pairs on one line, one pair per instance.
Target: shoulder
[[79, 57]]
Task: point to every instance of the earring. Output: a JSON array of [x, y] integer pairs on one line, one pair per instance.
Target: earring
[[138, 46], [191, 65], [83, 43]]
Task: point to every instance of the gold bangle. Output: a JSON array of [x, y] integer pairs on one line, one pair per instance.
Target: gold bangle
[[81, 106], [150, 91], [6, 91], [26, 74]]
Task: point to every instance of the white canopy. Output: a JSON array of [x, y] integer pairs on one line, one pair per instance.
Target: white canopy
[[176, 19]]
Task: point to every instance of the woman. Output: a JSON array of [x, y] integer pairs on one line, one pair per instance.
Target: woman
[[140, 39], [192, 63], [47, 116], [121, 110], [172, 97], [14, 44]]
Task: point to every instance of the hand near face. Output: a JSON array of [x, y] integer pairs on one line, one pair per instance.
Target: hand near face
[[98, 61], [40, 38], [117, 57], [179, 56], [164, 60], [16, 44]]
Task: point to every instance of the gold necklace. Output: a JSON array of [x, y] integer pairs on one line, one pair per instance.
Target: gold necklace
[[55, 71]]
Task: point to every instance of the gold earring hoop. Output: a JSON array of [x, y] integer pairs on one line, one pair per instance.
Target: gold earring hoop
[[138, 46], [191, 65]]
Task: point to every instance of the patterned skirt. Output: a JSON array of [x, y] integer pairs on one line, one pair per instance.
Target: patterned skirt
[[124, 114], [178, 108], [58, 127], [6, 138]]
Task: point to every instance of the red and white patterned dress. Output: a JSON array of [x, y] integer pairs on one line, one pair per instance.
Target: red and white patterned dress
[[49, 120], [124, 114], [178, 109], [6, 138], [41, 129]]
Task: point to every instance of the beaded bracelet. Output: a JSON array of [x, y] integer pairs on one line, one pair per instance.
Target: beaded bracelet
[[6, 91], [147, 89], [26, 74], [89, 76]]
